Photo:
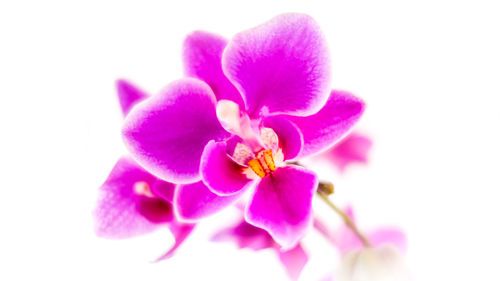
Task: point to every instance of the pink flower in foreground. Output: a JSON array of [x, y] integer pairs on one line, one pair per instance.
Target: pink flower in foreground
[[131, 200], [252, 103], [246, 235], [352, 149]]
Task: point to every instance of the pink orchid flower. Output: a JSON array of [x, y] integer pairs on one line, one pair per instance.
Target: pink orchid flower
[[354, 148], [251, 104], [131, 200], [248, 236]]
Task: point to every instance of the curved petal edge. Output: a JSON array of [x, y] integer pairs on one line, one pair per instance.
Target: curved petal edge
[[324, 128], [167, 133], [281, 66]]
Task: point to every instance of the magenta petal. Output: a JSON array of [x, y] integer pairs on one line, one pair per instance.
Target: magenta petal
[[164, 190], [180, 231], [166, 134], [117, 215], [294, 261], [202, 59], [353, 148], [128, 95], [249, 236], [246, 236], [336, 118], [156, 210], [282, 203], [219, 172], [290, 137], [195, 201], [281, 66]]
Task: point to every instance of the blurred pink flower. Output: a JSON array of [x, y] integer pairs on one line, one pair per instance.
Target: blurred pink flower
[[354, 148], [381, 261], [378, 263], [248, 236]]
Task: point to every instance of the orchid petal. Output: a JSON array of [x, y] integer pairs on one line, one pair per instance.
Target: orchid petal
[[166, 134], [219, 172], [202, 59], [128, 95], [336, 118], [164, 190], [155, 209], [117, 215], [294, 261], [246, 236], [290, 137], [353, 148], [282, 203], [195, 201], [180, 231], [282, 66]]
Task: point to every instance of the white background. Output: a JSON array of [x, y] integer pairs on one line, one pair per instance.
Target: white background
[[428, 70]]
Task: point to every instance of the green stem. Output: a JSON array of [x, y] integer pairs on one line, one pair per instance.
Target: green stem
[[345, 217]]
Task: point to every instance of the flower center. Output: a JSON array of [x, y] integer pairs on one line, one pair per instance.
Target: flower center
[[256, 147], [263, 164]]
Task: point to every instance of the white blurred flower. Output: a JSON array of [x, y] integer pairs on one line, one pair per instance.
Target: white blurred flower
[[381, 263]]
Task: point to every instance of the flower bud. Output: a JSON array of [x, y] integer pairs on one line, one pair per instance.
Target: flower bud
[[326, 188]]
